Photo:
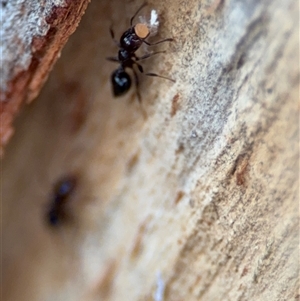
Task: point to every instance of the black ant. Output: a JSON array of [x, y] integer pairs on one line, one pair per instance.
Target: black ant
[[130, 41], [63, 189]]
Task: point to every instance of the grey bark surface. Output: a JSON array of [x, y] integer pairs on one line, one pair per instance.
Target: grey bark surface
[[196, 201]]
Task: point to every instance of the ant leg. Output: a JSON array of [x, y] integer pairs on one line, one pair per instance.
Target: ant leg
[[112, 34], [140, 67], [142, 6], [162, 41], [137, 85], [113, 59], [157, 75], [147, 55]]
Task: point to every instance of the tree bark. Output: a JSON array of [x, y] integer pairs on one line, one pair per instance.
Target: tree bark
[[32, 37], [192, 195]]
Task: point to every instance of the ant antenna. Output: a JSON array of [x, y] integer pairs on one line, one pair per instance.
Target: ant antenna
[[142, 6]]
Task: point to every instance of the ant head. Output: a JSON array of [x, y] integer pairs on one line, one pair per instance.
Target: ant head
[[141, 30], [121, 82]]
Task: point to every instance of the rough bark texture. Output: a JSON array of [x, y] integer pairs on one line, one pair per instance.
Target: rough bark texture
[[32, 36], [197, 201]]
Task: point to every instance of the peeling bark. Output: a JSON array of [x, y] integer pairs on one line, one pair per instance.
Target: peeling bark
[[32, 37]]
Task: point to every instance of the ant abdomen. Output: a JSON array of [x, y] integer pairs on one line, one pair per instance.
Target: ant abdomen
[[121, 82]]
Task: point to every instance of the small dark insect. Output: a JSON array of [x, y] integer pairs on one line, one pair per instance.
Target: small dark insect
[[130, 41], [62, 192]]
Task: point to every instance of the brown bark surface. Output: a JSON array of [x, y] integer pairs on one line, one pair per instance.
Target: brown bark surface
[[32, 36], [191, 196]]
